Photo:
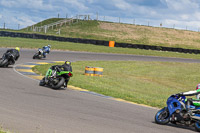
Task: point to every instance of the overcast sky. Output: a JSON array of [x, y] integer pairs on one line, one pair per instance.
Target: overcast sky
[[181, 14]]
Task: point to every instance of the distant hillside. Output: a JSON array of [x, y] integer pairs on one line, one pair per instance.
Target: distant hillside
[[127, 33], [48, 21]]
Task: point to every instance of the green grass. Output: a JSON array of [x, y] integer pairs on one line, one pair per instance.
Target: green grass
[[149, 83], [2, 131], [38, 43]]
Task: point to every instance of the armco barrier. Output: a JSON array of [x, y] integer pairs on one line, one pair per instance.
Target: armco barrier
[[97, 42]]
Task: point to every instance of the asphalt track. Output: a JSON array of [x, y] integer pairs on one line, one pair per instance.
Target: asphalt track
[[26, 107]]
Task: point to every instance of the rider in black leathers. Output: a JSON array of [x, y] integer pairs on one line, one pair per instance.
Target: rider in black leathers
[[15, 53], [65, 67]]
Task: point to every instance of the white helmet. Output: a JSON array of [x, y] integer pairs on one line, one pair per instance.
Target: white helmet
[[49, 46]]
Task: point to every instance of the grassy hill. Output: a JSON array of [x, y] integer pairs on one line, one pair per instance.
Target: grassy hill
[[48, 21], [127, 33]]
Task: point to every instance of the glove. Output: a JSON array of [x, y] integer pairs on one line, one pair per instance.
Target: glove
[[179, 94]]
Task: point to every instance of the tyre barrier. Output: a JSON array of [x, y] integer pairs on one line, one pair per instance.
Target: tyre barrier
[[98, 42], [89, 71], [93, 71], [98, 71]]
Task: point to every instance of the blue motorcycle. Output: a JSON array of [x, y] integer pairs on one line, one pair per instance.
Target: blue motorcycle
[[180, 110]]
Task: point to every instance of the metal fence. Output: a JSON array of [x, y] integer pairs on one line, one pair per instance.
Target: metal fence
[[66, 21]]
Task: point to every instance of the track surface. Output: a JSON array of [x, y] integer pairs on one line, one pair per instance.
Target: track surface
[[26, 107]]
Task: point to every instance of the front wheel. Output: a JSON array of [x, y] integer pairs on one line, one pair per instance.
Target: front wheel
[[197, 125], [59, 84], [162, 116], [42, 82], [4, 63], [35, 56]]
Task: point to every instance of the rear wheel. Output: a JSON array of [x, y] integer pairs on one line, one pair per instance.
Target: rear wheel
[[162, 116], [59, 84]]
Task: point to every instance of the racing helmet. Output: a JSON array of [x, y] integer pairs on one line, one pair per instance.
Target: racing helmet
[[17, 48], [49, 46], [198, 86], [198, 89], [68, 62]]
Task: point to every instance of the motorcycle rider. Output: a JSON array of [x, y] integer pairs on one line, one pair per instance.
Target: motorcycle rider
[[46, 50], [192, 93], [15, 53], [65, 67], [196, 92]]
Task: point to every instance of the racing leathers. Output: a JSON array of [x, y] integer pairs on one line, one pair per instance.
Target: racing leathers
[[46, 50], [191, 101], [15, 54], [64, 67]]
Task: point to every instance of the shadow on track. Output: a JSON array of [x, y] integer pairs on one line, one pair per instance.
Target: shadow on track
[[40, 59], [60, 89], [9, 67], [191, 128]]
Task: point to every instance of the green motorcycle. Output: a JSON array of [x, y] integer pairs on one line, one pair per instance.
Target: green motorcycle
[[56, 78]]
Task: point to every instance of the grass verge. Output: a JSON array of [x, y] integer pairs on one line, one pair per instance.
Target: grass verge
[[149, 83], [38, 43]]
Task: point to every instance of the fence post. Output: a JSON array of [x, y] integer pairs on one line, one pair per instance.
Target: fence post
[[97, 16], [45, 29]]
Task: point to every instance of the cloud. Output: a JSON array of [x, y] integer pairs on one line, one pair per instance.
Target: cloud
[[78, 4], [30, 4], [8, 3], [182, 5], [12, 19], [170, 12], [121, 4]]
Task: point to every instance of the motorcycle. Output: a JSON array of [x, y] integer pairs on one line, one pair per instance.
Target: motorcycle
[[7, 59], [56, 78], [179, 111], [38, 54]]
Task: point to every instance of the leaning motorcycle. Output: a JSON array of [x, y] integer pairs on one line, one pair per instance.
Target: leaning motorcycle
[[56, 78], [38, 54], [7, 59], [179, 110]]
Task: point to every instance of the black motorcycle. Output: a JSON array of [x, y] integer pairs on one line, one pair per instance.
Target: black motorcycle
[[38, 54], [7, 59], [56, 78]]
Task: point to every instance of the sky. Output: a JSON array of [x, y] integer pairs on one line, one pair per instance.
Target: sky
[[179, 14]]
